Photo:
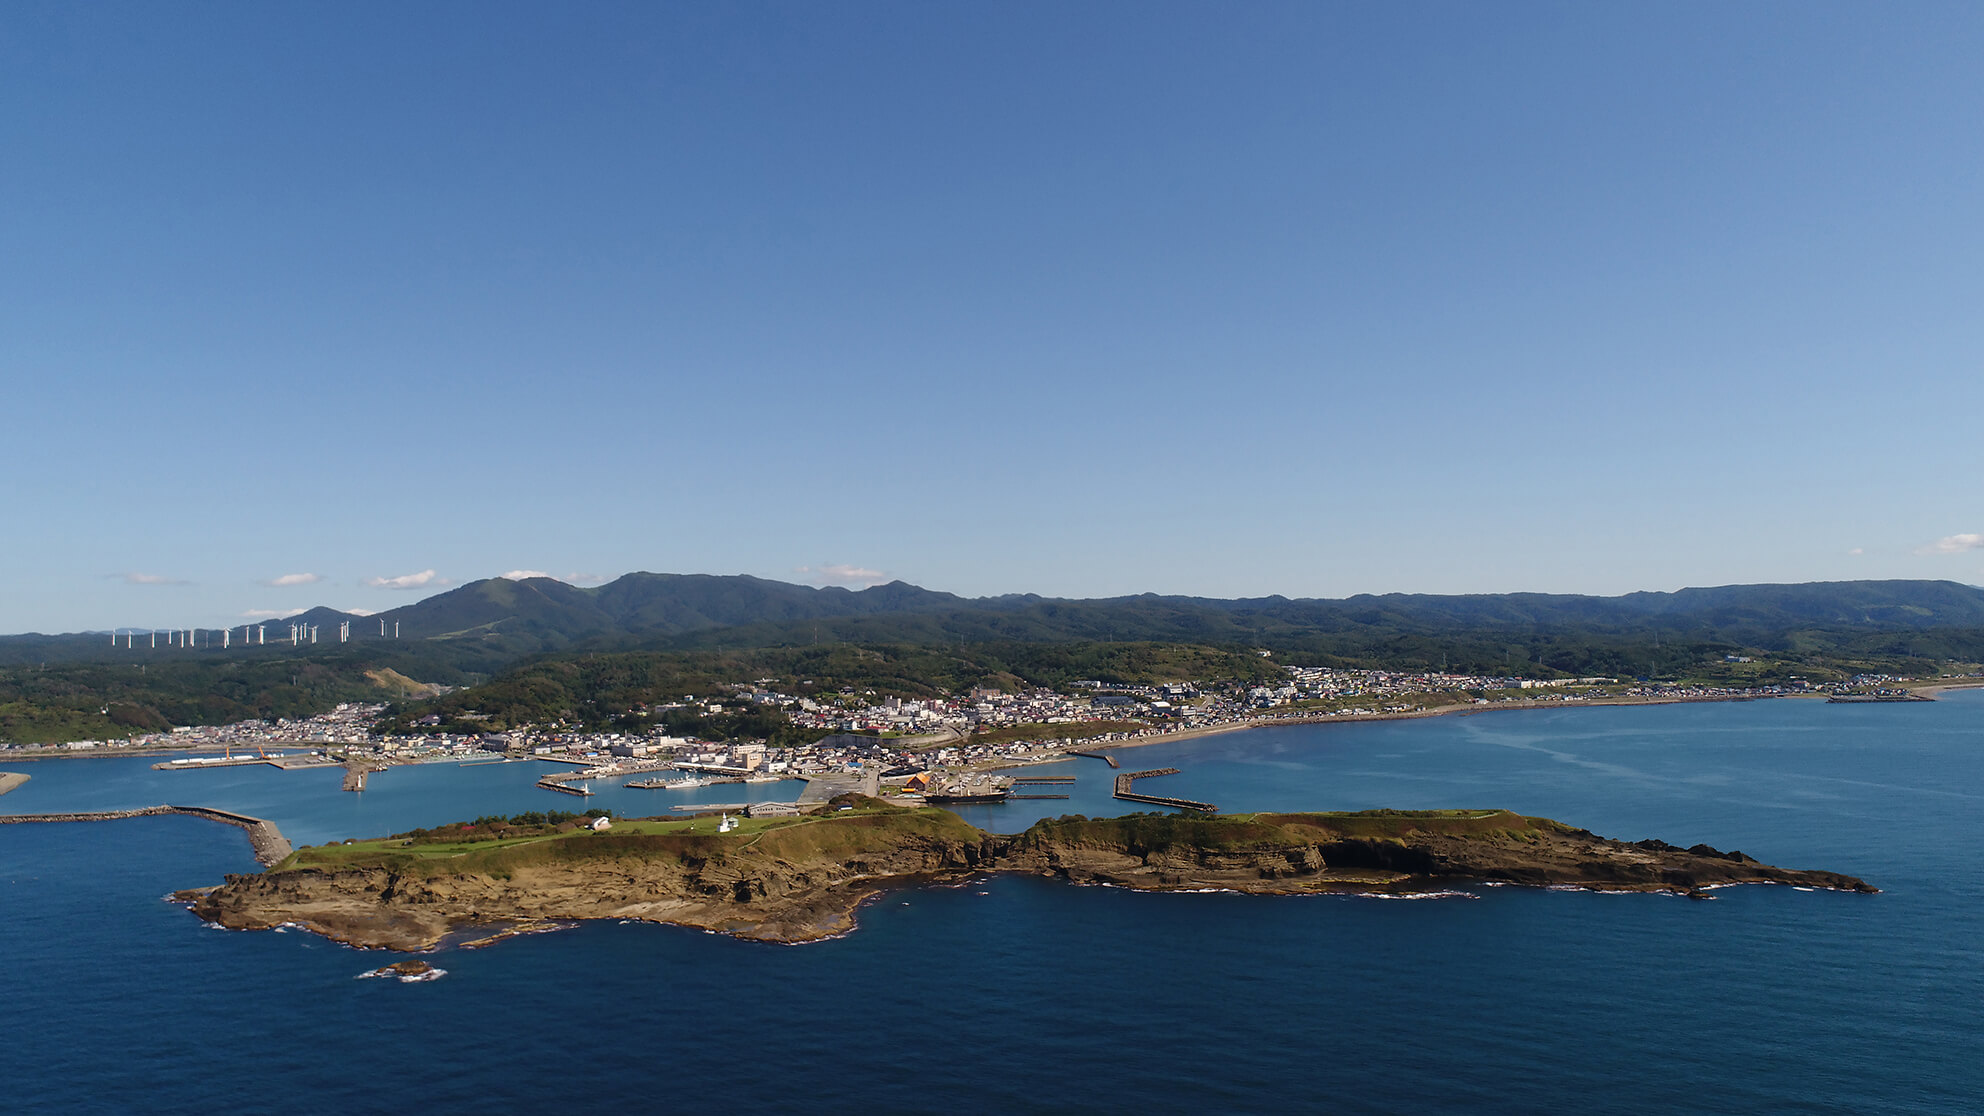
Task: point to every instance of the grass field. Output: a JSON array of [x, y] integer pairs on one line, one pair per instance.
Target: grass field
[[402, 852]]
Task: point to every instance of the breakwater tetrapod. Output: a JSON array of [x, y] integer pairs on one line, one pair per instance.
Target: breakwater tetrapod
[[1126, 790]]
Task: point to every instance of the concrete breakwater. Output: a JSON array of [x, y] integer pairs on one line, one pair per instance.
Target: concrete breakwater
[[9, 780], [1126, 790], [270, 846]]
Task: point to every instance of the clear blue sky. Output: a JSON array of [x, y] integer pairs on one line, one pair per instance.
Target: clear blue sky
[[1070, 298]]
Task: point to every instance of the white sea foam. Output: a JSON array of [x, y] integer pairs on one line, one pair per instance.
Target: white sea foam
[[404, 978]]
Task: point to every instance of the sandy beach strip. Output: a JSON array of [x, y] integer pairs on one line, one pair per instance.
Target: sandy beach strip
[[9, 780]]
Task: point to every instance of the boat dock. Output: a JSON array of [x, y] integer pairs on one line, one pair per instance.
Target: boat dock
[[1126, 790], [1014, 797], [1042, 780]]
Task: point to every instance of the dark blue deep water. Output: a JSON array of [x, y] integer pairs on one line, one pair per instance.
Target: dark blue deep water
[[1018, 994]]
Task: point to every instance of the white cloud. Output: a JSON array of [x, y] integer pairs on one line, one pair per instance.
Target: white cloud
[[1954, 544], [839, 574], [569, 579], [425, 579], [150, 579], [362, 611], [1858, 550], [272, 613], [293, 579]]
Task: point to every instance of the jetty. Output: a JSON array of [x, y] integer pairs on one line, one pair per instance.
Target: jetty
[[200, 763], [552, 782], [1042, 780], [1103, 756], [1126, 790], [356, 771], [280, 761], [271, 847], [9, 780]]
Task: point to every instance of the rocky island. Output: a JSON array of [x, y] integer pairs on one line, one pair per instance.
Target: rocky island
[[795, 879]]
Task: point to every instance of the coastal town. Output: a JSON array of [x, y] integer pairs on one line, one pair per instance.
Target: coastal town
[[897, 745]]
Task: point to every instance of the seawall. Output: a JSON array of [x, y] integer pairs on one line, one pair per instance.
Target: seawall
[[270, 846]]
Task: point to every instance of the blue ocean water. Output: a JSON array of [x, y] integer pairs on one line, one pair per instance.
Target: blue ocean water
[[1014, 994]]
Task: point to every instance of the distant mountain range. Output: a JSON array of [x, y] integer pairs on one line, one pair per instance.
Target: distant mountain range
[[694, 609], [676, 611], [487, 623]]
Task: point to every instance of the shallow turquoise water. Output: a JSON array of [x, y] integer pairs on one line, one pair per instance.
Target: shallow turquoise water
[[1023, 994]]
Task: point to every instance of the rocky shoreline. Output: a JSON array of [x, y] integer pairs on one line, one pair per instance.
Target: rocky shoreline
[[806, 881]]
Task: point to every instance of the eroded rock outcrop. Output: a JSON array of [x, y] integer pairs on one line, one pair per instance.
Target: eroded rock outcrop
[[804, 880]]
